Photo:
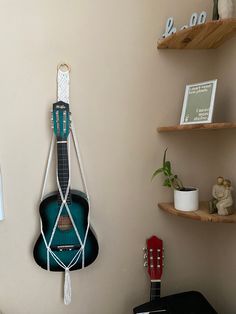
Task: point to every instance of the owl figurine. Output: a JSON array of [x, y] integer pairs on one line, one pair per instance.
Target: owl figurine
[[225, 9]]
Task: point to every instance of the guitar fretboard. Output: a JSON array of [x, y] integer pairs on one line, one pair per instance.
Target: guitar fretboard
[[63, 168], [155, 291]]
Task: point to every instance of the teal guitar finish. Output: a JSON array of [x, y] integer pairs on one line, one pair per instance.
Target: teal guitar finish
[[65, 243], [48, 212]]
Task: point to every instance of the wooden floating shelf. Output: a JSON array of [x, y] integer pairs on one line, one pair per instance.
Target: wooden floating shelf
[[202, 214], [201, 126], [205, 36]]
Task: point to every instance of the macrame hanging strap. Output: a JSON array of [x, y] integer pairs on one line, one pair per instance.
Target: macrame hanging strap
[[63, 83], [63, 80]]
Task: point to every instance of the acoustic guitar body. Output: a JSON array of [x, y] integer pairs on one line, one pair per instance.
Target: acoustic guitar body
[[64, 228], [65, 243]]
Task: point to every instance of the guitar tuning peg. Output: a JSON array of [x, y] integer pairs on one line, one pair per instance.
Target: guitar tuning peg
[[145, 250], [145, 256], [145, 264]]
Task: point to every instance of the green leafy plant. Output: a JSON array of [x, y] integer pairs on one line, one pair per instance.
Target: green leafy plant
[[171, 180]]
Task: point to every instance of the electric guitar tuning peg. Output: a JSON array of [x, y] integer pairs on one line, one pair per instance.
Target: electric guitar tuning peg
[[145, 250], [145, 264], [145, 256]]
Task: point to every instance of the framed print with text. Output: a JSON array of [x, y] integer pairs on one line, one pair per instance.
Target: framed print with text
[[199, 102]]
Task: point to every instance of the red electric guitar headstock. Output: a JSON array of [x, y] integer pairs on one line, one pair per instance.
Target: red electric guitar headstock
[[154, 257]]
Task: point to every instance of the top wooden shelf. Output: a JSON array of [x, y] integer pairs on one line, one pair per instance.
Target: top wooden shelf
[[200, 126], [205, 36]]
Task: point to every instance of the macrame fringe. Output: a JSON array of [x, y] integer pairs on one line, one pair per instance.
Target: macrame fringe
[[67, 287]]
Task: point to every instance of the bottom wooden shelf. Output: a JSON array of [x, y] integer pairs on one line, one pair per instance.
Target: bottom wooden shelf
[[201, 214]]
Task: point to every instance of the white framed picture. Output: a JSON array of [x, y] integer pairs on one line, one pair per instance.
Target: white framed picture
[[198, 103]]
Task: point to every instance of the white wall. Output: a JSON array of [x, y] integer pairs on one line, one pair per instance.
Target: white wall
[[122, 88], [225, 275]]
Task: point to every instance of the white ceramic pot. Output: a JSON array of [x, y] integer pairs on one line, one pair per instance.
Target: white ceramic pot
[[225, 9], [186, 200]]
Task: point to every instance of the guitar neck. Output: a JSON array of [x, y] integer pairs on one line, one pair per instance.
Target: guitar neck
[[155, 291], [63, 167]]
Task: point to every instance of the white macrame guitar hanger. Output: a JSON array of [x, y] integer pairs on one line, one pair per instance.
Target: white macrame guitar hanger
[[63, 84]]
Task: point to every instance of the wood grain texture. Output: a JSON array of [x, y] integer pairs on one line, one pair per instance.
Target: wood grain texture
[[205, 36], [200, 126], [202, 214]]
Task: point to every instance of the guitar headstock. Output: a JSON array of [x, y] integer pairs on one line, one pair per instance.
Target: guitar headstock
[[61, 120], [154, 257]]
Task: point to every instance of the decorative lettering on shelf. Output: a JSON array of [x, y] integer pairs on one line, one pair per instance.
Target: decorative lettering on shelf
[[195, 19]]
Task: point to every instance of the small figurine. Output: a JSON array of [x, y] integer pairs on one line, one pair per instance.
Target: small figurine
[[225, 205], [225, 9], [222, 201], [217, 193]]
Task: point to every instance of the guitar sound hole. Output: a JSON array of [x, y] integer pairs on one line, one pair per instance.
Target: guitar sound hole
[[64, 223]]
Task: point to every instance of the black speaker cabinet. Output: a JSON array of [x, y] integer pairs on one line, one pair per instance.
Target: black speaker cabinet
[[191, 302]]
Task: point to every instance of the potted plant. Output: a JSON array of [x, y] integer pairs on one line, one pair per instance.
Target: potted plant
[[185, 198]]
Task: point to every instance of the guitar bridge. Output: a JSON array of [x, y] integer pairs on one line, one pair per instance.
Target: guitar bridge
[[62, 248]]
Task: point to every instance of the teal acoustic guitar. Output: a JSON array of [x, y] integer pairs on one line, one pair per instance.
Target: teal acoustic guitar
[[65, 246]]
